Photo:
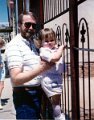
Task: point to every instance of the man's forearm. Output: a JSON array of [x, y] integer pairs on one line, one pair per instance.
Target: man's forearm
[[23, 77]]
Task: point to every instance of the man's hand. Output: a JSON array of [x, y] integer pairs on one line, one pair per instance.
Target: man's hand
[[47, 65]]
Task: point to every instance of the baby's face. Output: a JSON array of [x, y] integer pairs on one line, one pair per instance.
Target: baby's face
[[49, 42]]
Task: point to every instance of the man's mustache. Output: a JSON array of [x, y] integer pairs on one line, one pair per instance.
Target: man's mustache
[[30, 31]]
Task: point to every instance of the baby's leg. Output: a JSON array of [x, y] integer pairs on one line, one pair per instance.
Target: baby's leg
[[56, 108]]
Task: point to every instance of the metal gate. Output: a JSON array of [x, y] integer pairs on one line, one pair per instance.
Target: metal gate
[[77, 97]]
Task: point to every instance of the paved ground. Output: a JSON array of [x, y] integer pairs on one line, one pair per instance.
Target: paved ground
[[8, 111]]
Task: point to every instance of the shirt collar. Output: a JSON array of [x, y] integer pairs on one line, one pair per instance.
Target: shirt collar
[[26, 41]]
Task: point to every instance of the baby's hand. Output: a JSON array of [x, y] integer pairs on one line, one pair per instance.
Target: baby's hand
[[63, 46]]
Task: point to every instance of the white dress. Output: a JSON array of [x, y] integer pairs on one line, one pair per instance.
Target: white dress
[[52, 79]]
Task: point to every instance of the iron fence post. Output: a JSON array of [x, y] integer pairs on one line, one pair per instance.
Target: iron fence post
[[73, 16]]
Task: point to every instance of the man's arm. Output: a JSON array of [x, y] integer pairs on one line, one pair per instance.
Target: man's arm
[[19, 77]]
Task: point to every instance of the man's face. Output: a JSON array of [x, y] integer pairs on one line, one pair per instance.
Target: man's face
[[28, 26]]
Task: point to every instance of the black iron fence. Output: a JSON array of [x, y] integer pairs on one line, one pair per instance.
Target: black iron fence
[[85, 67], [77, 96]]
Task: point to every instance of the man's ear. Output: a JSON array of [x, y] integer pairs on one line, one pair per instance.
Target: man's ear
[[37, 43], [19, 25]]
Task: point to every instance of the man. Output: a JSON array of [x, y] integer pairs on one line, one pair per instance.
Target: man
[[21, 56]]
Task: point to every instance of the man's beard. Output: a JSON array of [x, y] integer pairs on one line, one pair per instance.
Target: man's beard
[[29, 34]]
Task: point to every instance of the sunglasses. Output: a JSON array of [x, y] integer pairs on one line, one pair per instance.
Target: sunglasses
[[28, 25]]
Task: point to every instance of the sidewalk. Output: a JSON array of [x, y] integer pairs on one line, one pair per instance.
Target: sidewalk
[[8, 111]]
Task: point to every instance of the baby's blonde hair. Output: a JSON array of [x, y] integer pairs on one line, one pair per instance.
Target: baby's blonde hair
[[47, 33]]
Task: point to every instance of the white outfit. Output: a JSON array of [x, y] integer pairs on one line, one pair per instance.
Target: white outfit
[[52, 79], [19, 54]]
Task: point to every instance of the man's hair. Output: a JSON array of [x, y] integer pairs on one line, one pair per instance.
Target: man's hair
[[20, 18]]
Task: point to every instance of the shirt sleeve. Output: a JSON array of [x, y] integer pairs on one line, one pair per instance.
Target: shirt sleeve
[[13, 56], [46, 54]]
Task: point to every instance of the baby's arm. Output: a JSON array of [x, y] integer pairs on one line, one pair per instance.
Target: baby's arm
[[49, 56], [58, 54]]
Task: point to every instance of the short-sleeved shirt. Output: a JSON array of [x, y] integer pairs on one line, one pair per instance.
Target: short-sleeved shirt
[[20, 53], [52, 78]]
